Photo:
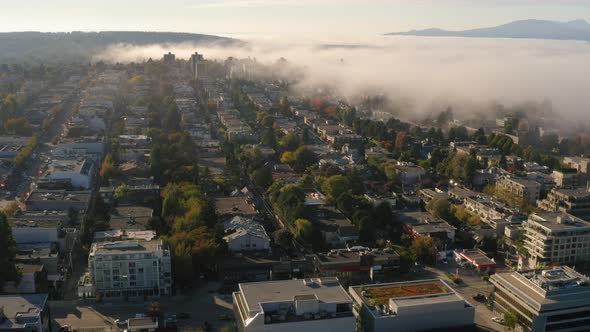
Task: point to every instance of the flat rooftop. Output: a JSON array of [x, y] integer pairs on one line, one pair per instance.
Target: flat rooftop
[[551, 287], [326, 290], [122, 247], [379, 294], [21, 309], [477, 258], [59, 195], [558, 221]]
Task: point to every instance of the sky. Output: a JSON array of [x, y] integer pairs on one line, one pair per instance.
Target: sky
[[278, 18]]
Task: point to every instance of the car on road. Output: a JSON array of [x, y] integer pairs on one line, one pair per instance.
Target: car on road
[[121, 323], [479, 297], [498, 320], [183, 315]]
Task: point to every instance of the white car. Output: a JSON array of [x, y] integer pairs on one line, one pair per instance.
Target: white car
[[498, 320]]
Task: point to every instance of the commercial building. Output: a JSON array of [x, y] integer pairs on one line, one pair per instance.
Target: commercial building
[[69, 173], [357, 263], [556, 237], [420, 224], [129, 269], [294, 305], [544, 300], [24, 313], [58, 200], [410, 306]]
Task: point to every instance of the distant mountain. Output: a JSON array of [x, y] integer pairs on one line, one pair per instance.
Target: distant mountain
[[75, 46], [534, 29]]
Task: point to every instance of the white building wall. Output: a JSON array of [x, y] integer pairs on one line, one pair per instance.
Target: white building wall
[[248, 242], [345, 324], [438, 317]]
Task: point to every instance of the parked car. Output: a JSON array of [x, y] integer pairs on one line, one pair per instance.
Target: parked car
[[479, 297], [121, 323], [183, 315]]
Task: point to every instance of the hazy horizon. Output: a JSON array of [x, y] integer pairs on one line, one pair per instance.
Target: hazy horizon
[[280, 18]]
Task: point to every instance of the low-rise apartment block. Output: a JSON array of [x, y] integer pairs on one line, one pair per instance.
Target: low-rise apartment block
[[130, 268], [556, 237]]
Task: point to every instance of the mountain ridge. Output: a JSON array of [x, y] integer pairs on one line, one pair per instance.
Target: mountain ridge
[[534, 29]]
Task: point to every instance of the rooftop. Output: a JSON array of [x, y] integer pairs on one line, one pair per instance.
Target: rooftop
[[551, 287], [238, 205], [121, 247], [557, 221], [327, 290], [21, 310], [381, 293]]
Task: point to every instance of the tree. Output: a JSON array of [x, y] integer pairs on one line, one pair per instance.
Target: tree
[[287, 157], [122, 192], [336, 185], [108, 168], [425, 250], [291, 142], [8, 268], [304, 229], [441, 208], [262, 177], [283, 238], [304, 158], [510, 319], [18, 126]]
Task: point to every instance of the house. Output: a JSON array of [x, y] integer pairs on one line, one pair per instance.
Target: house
[[420, 224], [408, 306], [335, 227], [244, 234], [229, 206], [293, 305]]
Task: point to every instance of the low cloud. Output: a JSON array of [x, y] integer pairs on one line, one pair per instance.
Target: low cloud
[[424, 71]]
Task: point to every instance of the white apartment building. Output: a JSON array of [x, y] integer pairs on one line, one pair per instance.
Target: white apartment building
[[294, 305], [130, 268], [544, 300], [556, 237]]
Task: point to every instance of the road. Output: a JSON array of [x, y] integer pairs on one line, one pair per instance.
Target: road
[[41, 155], [203, 304], [471, 285]]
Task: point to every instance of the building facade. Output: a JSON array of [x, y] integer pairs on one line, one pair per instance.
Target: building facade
[[544, 300], [294, 305], [410, 306], [130, 269], [556, 237]]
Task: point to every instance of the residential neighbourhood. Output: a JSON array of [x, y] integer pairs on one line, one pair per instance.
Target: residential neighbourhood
[[185, 195]]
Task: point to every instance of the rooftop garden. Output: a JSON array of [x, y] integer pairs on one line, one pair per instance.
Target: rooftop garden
[[380, 295]]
